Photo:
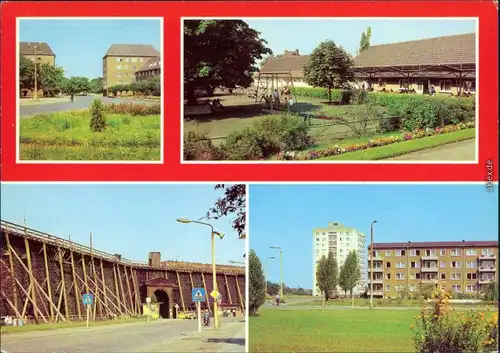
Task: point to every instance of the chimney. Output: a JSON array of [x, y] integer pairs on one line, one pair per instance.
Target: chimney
[[154, 259], [118, 257]]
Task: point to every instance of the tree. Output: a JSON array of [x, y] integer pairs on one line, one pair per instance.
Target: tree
[[26, 72], [233, 51], [365, 40], [329, 66], [96, 85], [350, 273], [233, 203], [77, 84], [327, 275], [256, 284], [50, 79]]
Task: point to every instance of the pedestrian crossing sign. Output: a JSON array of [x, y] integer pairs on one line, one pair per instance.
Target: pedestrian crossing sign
[[198, 294]]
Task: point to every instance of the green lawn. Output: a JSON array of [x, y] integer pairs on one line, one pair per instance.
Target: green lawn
[[67, 136], [400, 148], [331, 331]]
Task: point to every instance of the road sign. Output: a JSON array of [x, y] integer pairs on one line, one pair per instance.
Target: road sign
[[88, 299], [148, 300], [215, 294], [198, 294]]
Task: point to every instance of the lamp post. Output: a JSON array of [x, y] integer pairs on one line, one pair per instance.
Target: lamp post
[[35, 93], [281, 268], [213, 233], [265, 270], [371, 264]]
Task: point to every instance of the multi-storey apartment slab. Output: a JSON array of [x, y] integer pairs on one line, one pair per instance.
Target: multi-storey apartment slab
[[459, 266], [340, 240]]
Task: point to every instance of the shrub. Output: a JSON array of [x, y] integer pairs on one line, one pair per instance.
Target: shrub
[[198, 147], [97, 119], [266, 137], [343, 96], [134, 109], [440, 329]]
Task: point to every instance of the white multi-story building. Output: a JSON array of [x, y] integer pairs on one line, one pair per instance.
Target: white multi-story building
[[340, 240]]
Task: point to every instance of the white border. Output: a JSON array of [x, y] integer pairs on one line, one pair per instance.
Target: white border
[[247, 269], [18, 116], [476, 96]]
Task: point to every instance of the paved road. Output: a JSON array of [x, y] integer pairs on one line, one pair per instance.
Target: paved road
[[80, 102], [120, 338], [456, 151]]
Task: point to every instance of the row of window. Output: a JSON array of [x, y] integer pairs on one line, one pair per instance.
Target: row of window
[[432, 264], [444, 85], [470, 288], [133, 60], [442, 276], [126, 67], [434, 252]]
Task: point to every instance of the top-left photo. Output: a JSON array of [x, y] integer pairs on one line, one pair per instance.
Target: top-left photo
[[89, 90]]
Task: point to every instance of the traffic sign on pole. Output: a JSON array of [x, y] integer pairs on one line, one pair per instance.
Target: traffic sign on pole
[[88, 299], [198, 294]]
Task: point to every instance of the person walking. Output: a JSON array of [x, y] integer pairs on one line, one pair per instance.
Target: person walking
[[278, 300]]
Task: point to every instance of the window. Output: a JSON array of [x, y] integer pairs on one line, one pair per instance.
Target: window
[[442, 264], [118, 67], [400, 276], [413, 252], [387, 264], [430, 252], [415, 264], [455, 287], [347, 239], [400, 252], [442, 252], [471, 288], [400, 264], [387, 287], [134, 67], [418, 252], [127, 60], [455, 276], [471, 276], [118, 82], [469, 86], [470, 264], [381, 83], [417, 275], [317, 239], [445, 86], [125, 67], [141, 60], [420, 85], [119, 59], [387, 276], [118, 74], [487, 252], [456, 252], [455, 264], [387, 253], [403, 84], [443, 275], [470, 252]]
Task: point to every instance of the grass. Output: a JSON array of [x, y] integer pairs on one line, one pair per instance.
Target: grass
[[23, 102], [331, 331], [67, 136], [400, 148], [53, 326]]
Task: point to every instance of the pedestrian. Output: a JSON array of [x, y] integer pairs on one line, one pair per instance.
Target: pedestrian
[[234, 312], [278, 300], [72, 97], [433, 91]]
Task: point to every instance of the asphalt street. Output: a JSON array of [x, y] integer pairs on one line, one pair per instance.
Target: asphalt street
[[119, 338], [80, 102]]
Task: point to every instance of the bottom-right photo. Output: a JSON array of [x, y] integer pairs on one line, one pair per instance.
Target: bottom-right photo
[[373, 268]]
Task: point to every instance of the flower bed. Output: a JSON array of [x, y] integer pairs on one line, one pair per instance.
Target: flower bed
[[407, 136]]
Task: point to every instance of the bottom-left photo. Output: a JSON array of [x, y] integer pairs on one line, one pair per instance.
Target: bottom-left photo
[[123, 267]]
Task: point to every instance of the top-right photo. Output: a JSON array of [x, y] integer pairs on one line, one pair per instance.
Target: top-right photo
[[383, 90]]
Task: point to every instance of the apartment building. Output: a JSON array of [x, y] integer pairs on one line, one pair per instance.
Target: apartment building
[[39, 52], [122, 61], [459, 266], [340, 240], [152, 68]]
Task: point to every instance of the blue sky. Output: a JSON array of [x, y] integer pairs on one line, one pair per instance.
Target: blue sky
[[285, 215], [127, 219], [80, 45], [305, 35]]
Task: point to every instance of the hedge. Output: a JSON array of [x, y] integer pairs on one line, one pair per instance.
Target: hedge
[[322, 93]]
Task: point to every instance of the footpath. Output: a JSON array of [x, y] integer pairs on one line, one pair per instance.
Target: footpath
[[229, 338]]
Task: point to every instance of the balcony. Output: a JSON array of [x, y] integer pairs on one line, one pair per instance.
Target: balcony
[[379, 293], [488, 257], [485, 280], [376, 269], [487, 269], [375, 258], [428, 269], [429, 257], [377, 280]]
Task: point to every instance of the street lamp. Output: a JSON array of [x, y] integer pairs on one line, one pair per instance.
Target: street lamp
[[265, 270], [371, 264], [213, 233], [281, 268], [35, 94]]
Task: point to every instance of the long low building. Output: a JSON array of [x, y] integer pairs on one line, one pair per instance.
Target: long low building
[[446, 63], [459, 266]]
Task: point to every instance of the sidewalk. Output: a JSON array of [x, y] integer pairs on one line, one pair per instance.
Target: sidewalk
[[230, 338]]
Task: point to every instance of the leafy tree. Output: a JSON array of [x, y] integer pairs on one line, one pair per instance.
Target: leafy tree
[[50, 79], [233, 203], [350, 273], [233, 51], [77, 84], [26, 72], [329, 66], [256, 284], [96, 85], [327, 274], [365, 40]]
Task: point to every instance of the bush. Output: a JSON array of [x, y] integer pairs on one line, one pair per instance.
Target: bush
[[343, 96], [411, 111], [97, 119], [134, 109], [266, 137], [198, 147], [440, 329]]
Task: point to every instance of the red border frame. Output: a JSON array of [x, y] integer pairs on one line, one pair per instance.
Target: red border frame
[[172, 169]]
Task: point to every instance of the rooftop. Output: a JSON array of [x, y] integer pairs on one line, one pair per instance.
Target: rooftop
[[140, 50], [437, 244], [28, 48], [151, 64]]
